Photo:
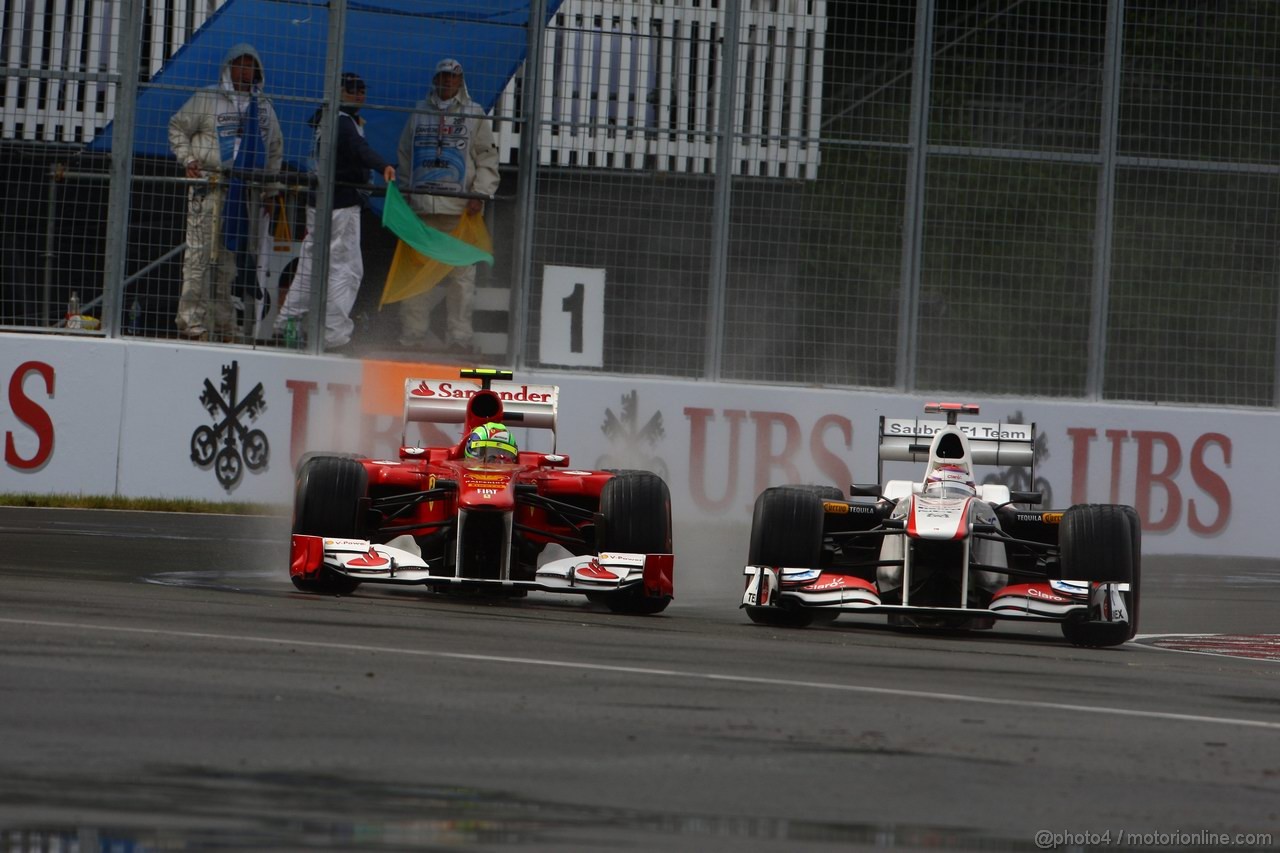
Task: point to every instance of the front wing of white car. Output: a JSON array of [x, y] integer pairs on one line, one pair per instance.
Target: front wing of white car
[[1048, 601]]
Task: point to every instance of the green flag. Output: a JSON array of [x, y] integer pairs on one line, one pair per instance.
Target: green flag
[[405, 224]]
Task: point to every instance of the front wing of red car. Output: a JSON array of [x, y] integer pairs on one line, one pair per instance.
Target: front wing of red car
[[368, 562]]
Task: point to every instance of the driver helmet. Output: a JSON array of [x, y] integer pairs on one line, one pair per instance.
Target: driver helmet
[[491, 442], [952, 480]]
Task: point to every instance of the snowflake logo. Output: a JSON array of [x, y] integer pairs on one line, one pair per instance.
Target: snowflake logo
[[633, 444]]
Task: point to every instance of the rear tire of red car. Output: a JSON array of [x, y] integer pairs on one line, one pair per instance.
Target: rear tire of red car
[[635, 511], [327, 503], [1101, 543], [786, 530]]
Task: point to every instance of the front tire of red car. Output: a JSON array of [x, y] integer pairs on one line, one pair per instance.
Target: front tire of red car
[[635, 511], [326, 502]]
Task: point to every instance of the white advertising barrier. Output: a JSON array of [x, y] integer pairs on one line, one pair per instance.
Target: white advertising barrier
[[160, 420], [61, 406], [228, 423]]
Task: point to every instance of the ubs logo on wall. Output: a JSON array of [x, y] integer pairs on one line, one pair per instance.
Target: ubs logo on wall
[[230, 445]]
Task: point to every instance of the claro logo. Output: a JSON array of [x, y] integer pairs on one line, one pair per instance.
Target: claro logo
[[826, 582]]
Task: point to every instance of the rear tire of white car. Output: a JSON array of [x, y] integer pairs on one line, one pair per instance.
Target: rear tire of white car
[[1098, 543], [327, 503], [786, 530], [635, 512]]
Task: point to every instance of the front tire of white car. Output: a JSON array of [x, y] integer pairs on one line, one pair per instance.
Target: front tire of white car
[[786, 530], [1102, 543], [1133, 598]]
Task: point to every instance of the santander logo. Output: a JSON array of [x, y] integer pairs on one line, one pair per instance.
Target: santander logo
[[368, 561], [448, 390]]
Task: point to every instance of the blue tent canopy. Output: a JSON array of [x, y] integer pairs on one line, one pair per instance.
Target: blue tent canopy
[[393, 44]]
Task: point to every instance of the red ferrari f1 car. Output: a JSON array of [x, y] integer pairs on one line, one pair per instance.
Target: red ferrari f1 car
[[478, 515], [944, 551]]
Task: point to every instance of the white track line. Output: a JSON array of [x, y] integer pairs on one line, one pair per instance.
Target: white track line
[[662, 673]]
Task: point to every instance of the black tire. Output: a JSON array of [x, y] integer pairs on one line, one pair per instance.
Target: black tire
[[1095, 635], [1133, 598], [790, 617], [786, 530], [327, 503], [1095, 544], [635, 518], [1101, 543], [319, 454], [826, 493]]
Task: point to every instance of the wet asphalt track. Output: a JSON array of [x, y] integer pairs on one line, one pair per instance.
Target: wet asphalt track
[[163, 687]]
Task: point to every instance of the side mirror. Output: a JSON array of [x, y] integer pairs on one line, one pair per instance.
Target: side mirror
[[864, 490], [1026, 497]]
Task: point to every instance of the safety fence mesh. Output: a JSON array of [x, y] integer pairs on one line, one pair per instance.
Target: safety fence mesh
[[1010, 197]]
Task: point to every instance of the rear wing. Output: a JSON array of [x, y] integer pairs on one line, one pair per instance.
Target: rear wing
[[1000, 444], [444, 401]]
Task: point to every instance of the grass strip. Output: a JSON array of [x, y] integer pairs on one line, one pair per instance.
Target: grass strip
[[76, 501]]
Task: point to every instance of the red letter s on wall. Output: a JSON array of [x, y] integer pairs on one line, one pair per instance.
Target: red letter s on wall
[[30, 413], [1213, 485]]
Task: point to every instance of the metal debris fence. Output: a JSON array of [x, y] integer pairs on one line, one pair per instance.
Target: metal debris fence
[[1068, 199]]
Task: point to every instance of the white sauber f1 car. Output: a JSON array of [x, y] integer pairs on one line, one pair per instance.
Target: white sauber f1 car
[[482, 525], [943, 551]]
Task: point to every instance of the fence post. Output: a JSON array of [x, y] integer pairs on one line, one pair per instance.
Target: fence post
[[526, 184], [722, 192], [325, 176], [913, 209], [1104, 216], [120, 191]]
